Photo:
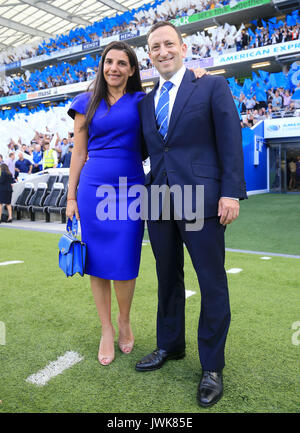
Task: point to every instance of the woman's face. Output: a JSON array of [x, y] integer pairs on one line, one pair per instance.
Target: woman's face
[[117, 69]]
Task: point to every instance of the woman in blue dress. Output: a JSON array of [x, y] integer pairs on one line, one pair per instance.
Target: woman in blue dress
[[107, 147], [107, 150]]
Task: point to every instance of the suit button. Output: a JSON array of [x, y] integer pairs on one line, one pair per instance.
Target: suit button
[[164, 173], [166, 149]]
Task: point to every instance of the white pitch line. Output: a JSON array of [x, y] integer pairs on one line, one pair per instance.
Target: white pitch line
[[265, 258], [234, 271], [54, 368], [189, 293], [10, 263]]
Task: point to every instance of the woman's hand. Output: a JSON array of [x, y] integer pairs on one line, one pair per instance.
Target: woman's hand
[[200, 72], [72, 209]]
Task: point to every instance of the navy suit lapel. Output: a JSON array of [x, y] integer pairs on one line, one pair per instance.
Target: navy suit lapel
[[184, 92]]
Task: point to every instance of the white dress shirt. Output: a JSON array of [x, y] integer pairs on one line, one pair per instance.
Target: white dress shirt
[[176, 80]]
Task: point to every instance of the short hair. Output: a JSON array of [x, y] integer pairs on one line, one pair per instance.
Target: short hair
[[164, 24]]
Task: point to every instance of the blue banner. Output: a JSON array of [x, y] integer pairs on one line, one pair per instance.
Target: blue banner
[[13, 98], [90, 45], [12, 65], [129, 35]]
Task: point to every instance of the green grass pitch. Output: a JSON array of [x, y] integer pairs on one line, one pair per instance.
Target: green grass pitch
[[45, 314]]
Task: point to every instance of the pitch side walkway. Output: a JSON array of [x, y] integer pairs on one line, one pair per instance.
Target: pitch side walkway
[[39, 226], [57, 227]]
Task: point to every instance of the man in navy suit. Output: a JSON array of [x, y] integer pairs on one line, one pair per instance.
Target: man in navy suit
[[192, 134]]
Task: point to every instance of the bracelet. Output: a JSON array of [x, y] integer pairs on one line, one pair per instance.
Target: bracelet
[[71, 199]]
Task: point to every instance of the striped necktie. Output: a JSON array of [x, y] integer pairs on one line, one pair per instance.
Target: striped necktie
[[162, 109]]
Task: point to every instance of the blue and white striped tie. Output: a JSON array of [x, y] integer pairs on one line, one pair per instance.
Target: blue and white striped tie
[[162, 109]]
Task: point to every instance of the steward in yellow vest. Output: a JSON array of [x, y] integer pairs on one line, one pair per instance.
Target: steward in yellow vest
[[49, 158]]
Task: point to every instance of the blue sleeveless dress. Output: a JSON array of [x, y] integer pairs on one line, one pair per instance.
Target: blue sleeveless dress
[[114, 152]]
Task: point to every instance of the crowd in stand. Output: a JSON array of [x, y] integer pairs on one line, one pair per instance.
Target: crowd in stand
[[45, 151], [278, 104], [129, 21], [266, 33], [212, 43], [51, 76]]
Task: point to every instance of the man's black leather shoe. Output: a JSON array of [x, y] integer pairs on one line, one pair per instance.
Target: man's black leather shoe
[[210, 388], [156, 359]]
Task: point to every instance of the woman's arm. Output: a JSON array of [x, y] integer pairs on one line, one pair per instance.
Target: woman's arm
[[78, 159]]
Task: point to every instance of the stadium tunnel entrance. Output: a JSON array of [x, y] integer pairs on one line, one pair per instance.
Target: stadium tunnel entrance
[[284, 165]]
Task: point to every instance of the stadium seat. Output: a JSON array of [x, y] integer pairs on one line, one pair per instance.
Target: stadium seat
[[52, 199], [64, 180], [51, 181], [23, 198], [60, 208], [37, 199]]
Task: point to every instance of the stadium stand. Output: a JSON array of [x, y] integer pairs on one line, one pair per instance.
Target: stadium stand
[[51, 200], [59, 209], [37, 200], [23, 199], [50, 182], [208, 43]]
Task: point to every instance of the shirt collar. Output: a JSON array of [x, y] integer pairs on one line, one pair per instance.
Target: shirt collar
[[175, 79]]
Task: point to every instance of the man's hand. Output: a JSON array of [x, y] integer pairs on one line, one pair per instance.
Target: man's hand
[[228, 210], [199, 72]]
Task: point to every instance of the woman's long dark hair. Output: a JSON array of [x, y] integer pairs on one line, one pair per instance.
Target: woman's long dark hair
[[4, 168], [98, 87]]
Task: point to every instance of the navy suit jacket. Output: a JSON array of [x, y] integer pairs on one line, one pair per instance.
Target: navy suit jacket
[[204, 141]]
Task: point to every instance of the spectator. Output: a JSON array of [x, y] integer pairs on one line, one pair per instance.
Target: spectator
[[290, 110], [37, 159], [12, 147], [286, 97], [64, 147], [23, 165], [66, 159], [49, 157], [25, 149], [292, 167], [71, 138], [276, 101], [261, 114], [10, 162], [55, 144], [1, 159], [6, 181], [298, 172], [250, 103], [245, 39]]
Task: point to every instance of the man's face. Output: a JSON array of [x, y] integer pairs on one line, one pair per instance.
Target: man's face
[[166, 52]]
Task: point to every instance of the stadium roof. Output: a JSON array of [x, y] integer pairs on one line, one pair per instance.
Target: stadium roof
[[25, 21]]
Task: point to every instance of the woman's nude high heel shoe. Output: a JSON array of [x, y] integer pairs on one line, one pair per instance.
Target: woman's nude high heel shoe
[[106, 359], [125, 347]]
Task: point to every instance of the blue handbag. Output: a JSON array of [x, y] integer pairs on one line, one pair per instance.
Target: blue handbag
[[72, 252]]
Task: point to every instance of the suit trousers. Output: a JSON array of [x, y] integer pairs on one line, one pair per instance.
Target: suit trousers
[[206, 248]]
